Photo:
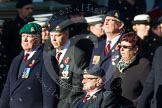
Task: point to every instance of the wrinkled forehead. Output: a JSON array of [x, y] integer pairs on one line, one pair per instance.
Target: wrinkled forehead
[[56, 32], [26, 34], [89, 76], [109, 17]]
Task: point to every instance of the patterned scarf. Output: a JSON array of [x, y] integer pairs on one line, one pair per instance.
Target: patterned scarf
[[121, 65]]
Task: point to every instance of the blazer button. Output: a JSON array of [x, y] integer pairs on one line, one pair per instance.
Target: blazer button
[[11, 99], [20, 99], [29, 88]]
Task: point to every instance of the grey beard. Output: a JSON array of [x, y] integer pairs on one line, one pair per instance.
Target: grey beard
[[89, 88]]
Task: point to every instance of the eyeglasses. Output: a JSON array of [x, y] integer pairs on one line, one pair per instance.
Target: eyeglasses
[[125, 47]]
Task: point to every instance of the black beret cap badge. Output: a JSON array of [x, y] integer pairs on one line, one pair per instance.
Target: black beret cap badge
[[116, 15], [58, 28]]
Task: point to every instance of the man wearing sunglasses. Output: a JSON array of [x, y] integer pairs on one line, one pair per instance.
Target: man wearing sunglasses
[[107, 48]]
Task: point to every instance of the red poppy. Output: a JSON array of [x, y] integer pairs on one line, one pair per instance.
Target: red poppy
[[116, 47], [31, 63], [67, 60]]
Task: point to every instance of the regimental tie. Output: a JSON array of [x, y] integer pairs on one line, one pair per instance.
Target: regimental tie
[[58, 56], [107, 48], [85, 98], [26, 57]]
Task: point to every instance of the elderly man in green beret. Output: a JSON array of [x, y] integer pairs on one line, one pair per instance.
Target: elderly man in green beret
[[29, 83]]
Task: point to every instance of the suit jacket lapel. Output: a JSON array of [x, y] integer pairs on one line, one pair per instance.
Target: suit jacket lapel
[[68, 52], [20, 80], [113, 50]]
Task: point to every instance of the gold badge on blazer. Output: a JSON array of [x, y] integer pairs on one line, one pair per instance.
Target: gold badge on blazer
[[96, 60]]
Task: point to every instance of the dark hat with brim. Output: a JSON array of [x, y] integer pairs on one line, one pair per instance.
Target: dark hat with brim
[[96, 71], [59, 23], [22, 3], [141, 19], [115, 14], [31, 28]]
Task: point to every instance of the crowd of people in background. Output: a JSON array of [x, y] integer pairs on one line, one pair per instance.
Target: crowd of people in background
[[104, 58]]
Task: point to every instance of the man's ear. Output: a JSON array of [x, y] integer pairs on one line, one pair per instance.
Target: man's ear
[[67, 33], [37, 40], [121, 25], [99, 81], [136, 50]]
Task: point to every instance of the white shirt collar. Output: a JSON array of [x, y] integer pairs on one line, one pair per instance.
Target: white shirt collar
[[92, 93], [114, 40], [63, 51], [31, 53]]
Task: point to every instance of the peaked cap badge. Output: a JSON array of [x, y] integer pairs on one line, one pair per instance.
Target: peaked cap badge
[[58, 28]]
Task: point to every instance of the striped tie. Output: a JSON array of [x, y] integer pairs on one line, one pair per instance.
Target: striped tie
[[85, 98], [26, 57], [58, 56], [107, 48]]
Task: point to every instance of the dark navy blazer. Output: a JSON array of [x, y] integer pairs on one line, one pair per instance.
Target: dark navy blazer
[[105, 62], [37, 91]]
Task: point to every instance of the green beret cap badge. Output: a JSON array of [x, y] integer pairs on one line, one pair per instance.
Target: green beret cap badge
[[31, 28]]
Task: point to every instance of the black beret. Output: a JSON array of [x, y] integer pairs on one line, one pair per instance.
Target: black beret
[[59, 23], [96, 71], [116, 14], [22, 3]]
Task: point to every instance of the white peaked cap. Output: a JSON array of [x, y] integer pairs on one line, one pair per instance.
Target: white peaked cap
[[95, 19], [141, 19]]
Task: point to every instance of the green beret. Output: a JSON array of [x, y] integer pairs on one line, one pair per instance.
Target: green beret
[[31, 28]]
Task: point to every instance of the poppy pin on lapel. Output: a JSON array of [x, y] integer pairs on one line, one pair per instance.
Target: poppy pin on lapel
[[67, 60], [117, 47], [31, 63]]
